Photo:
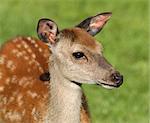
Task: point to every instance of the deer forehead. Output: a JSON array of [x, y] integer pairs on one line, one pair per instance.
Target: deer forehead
[[81, 37]]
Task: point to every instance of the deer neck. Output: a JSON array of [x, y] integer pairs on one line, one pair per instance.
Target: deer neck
[[65, 99]]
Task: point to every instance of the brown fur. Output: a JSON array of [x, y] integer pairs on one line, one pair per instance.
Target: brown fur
[[80, 36], [85, 115], [23, 96]]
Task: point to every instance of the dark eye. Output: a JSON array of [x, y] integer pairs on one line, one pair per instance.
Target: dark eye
[[78, 55]]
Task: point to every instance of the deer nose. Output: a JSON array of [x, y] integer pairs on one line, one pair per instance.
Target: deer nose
[[117, 79]]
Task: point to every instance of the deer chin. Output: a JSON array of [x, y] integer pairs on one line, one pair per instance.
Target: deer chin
[[106, 85]]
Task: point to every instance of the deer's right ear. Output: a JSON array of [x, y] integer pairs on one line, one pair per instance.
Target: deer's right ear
[[47, 31], [95, 24]]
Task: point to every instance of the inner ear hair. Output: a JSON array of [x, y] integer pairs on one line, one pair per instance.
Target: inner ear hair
[[95, 24], [47, 30]]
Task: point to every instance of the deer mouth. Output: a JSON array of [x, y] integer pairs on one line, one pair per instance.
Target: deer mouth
[[106, 85], [114, 81], [109, 85]]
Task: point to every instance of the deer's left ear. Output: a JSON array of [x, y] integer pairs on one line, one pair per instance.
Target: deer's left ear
[[47, 31], [94, 24]]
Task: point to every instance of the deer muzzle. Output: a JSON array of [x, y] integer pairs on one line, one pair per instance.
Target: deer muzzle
[[115, 80]]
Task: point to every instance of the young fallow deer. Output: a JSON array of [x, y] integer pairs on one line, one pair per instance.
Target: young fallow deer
[[73, 57]]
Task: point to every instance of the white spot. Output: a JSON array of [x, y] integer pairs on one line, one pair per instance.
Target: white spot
[[39, 66], [46, 83], [2, 59], [13, 115], [29, 38], [32, 94], [1, 75], [35, 63], [15, 40], [46, 95], [41, 69], [26, 84], [4, 100], [19, 99], [29, 50], [7, 81], [22, 81], [46, 55], [15, 51], [35, 114], [32, 41], [40, 49], [18, 45], [19, 54], [26, 57], [1, 88], [15, 93], [24, 52], [25, 81], [11, 99], [25, 45], [14, 79], [10, 65], [31, 62], [36, 45], [33, 56], [20, 103], [23, 112], [33, 111]]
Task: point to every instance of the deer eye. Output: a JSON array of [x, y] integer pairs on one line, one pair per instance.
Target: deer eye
[[78, 55]]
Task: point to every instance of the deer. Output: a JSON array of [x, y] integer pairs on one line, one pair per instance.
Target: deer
[[41, 79]]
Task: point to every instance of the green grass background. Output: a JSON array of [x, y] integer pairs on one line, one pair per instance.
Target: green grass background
[[125, 41]]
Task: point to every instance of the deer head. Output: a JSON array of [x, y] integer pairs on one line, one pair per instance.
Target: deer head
[[77, 54]]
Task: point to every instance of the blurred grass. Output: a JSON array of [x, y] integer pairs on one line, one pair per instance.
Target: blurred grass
[[125, 39]]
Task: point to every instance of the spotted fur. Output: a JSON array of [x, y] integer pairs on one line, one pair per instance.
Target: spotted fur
[[23, 96]]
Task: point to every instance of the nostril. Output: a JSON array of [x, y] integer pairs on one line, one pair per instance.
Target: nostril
[[117, 77]]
